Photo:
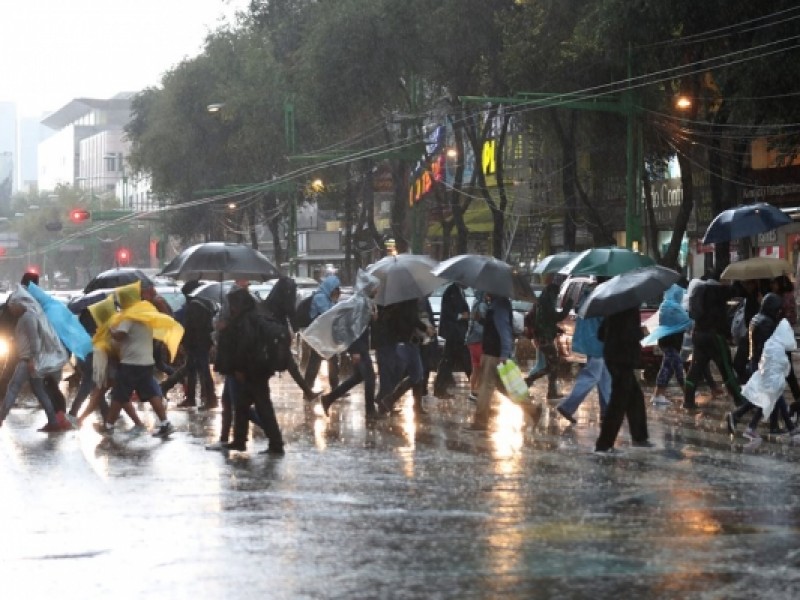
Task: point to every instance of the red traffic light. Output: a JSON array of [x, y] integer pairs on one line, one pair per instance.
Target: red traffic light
[[123, 256], [79, 215]]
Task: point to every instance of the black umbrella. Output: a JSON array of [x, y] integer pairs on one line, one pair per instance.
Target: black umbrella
[[628, 290], [76, 305], [745, 221], [114, 278], [220, 261], [487, 274]]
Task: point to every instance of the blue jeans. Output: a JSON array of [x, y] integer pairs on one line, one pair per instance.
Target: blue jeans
[[87, 384], [18, 379], [409, 362], [593, 374], [362, 372], [387, 370]]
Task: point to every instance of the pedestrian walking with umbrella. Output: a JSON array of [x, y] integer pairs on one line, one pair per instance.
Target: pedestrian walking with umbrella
[[618, 300]]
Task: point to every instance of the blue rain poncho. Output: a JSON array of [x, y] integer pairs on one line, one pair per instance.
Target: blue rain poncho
[[66, 324]]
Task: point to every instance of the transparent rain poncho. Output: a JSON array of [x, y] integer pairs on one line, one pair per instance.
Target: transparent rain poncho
[[334, 331], [53, 355], [766, 385]]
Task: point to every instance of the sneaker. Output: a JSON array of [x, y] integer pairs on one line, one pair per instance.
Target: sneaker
[[164, 430], [751, 434], [136, 430], [660, 400], [73, 420], [312, 397], [566, 415], [104, 430], [730, 421], [643, 444], [275, 450], [240, 446], [51, 428], [473, 397], [607, 452], [217, 446], [326, 404]]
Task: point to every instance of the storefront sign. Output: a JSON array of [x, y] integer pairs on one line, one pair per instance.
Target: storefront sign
[[768, 238]]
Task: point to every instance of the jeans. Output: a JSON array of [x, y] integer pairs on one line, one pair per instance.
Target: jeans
[[387, 370], [312, 369], [671, 363], [489, 382], [197, 365], [409, 362], [710, 346], [593, 374], [86, 386], [255, 392], [364, 372], [18, 379]]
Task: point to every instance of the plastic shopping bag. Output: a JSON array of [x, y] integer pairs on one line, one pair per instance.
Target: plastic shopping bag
[[512, 379]]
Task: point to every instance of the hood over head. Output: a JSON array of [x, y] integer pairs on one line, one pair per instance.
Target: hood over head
[[282, 298], [330, 283], [771, 306]]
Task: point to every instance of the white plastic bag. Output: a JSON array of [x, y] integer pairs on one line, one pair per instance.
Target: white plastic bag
[[767, 384], [52, 355], [332, 332]]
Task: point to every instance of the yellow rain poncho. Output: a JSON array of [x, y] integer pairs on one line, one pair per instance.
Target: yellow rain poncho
[[164, 327]]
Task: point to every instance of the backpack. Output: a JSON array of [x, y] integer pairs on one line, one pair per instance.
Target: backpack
[[529, 321], [274, 344], [696, 302], [302, 316], [738, 325]]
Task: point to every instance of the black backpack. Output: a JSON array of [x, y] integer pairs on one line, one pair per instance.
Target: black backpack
[[275, 344], [302, 316]]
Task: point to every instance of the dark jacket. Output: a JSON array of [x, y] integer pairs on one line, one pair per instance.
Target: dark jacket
[[498, 329], [281, 302], [621, 334], [400, 321], [714, 316], [762, 326], [238, 343], [198, 323], [547, 315], [453, 305]]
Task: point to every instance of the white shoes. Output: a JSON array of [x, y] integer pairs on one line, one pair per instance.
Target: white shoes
[[660, 400]]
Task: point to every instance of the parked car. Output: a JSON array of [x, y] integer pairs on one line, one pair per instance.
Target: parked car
[[574, 288]]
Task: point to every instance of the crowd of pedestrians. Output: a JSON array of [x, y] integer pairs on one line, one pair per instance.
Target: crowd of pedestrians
[[249, 341]]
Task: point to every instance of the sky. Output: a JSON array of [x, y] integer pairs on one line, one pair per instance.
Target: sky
[[52, 51]]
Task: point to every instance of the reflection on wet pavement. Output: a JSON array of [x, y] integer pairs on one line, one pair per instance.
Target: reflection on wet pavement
[[402, 508]]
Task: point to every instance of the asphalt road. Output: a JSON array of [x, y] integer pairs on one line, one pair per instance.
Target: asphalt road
[[399, 509]]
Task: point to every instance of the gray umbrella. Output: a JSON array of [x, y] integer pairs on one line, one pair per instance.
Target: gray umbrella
[[404, 277], [628, 290], [487, 274], [220, 261]]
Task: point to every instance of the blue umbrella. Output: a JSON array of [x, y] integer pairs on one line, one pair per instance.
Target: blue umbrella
[[745, 221]]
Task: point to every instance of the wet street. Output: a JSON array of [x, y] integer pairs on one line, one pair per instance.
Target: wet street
[[400, 509]]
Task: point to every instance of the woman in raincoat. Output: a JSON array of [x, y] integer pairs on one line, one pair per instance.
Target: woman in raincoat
[[771, 338], [362, 313], [673, 321]]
